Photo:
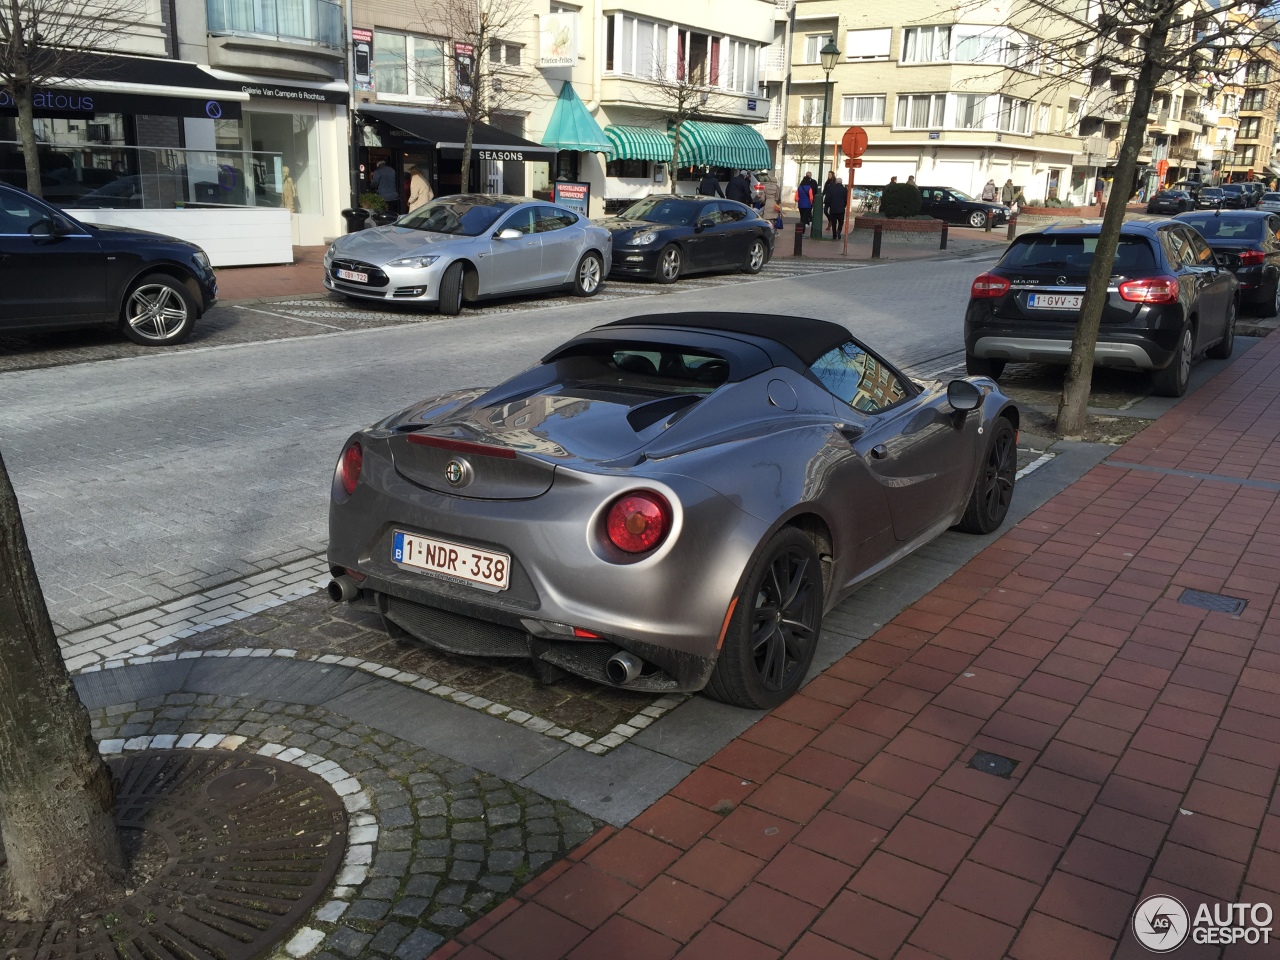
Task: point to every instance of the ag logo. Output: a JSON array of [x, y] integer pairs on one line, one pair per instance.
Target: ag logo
[[1161, 924], [457, 472]]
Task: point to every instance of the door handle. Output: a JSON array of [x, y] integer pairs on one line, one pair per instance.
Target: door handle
[[879, 451]]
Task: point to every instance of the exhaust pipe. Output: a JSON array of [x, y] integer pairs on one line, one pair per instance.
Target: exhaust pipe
[[623, 667], [343, 589]]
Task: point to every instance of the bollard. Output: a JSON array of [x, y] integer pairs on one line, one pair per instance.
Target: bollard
[[799, 250], [1013, 227], [875, 242], [987, 226], [943, 244]]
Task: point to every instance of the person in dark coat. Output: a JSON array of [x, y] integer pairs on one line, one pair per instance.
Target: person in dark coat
[[739, 188], [804, 199], [834, 199], [710, 186]]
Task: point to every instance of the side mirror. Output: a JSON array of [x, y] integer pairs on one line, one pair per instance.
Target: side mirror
[[510, 233], [48, 227], [963, 395], [703, 223]]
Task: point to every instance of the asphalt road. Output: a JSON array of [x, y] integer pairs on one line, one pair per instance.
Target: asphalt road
[[150, 476]]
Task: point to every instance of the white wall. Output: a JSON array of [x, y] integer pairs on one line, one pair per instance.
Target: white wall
[[234, 237]]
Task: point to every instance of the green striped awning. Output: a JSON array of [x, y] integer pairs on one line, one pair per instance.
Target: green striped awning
[[723, 145], [639, 143]]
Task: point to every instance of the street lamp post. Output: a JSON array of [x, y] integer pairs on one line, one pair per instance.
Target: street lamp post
[[830, 53]]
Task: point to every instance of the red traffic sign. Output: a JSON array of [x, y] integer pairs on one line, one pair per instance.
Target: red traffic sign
[[853, 162], [854, 142]]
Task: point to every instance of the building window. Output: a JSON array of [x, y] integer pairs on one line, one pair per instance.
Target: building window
[[313, 21], [1244, 156], [507, 53], [1042, 119], [636, 47], [1258, 71], [1254, 100], [862, 109], [741, 64], [813, 45], [810, 111], [971, 111], [926, 44], [408, 66], [1014, 115], [635, 169], [921, 111], [1249, 128], [867, 44]]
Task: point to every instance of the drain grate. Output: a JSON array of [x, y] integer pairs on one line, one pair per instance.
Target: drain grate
[[993, 764], [1219, 603]]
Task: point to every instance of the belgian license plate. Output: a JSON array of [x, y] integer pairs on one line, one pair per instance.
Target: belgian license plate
[[353, 275], [452, 559], [1054, 301]]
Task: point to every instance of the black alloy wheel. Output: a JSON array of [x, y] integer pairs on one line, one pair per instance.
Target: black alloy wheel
[[670, 264], [993, 488], [757, 256], [774, 631], [1222, 349]]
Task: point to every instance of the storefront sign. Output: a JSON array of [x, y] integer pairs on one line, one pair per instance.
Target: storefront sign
[[275, 91], [464, 62], [500, 155], [362, 47], [572, 195], [73, 104], [557, 39]]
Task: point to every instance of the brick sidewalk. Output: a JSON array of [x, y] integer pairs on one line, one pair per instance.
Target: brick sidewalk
[[847, 824]]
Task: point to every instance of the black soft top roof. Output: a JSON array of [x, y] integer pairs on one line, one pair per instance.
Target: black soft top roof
[[808, 339]]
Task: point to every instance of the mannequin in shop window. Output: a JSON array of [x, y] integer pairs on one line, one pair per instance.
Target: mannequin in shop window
[[288, 192]]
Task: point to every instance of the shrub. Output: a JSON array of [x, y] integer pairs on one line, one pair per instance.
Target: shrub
[[900, 200], [371, 201]]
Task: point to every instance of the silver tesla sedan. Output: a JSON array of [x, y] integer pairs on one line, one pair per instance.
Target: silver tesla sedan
[[470, 247]]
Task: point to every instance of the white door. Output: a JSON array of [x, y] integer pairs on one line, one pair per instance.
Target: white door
[[492, 170]]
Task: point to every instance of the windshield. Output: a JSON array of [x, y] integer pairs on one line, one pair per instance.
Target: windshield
[[1074, 254], [1232, 188], [668, 210], [1227, 228], [461, 216]]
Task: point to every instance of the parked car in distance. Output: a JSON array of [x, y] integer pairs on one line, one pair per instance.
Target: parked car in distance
[[470, 247], [1236, 196], [1256, 189], [664, 237], [1210, 197], [1269, 203], [1245, 242], [1169, 302], [664, 503], [956, 206], [57, 273], [1171, 201]]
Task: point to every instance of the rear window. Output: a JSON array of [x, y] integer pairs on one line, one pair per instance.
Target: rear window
[[1075, 254], [646, 368], [1227, 228]]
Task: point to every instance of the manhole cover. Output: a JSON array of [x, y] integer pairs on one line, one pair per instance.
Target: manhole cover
[[993, 764], [252, 845], [1218, 602]]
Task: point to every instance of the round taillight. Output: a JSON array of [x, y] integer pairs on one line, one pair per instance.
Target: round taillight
[[638, 522], [349, 467]]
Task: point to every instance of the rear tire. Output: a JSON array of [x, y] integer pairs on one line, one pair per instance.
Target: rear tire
[[1222, 349], [1271, 307], [757, 257], [770, 640], [588, 276], [158, 312], [980, 367], [450, 303], [993, 488], [1172, 380]]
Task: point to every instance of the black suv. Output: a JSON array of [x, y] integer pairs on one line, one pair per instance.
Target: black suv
[[1169, 301], [57, 273], [1237, 196], [1246, 243]]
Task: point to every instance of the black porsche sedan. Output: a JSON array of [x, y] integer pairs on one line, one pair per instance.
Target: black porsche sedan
[[665, 237], [956, 206], [1169, 301], [1246, 244], [57, 273]]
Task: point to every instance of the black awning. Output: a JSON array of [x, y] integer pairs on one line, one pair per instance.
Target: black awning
[[448, 134]]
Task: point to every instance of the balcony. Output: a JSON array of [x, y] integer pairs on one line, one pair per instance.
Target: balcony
[[773, 63], [314, 22]]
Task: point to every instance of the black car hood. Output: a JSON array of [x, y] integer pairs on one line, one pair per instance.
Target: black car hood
[[134, 235], [616, 224]]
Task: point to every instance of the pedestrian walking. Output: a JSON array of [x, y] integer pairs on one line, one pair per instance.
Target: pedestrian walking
[[1007, 193], [386, 184], [739, 188], [805, 194], [834, 200], [772, 209], [420, 193], [710, 186], [990, 191]]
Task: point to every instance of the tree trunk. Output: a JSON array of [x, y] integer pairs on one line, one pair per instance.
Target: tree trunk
[[24, 95], [466, 156], [1073, 408], [56, 793], [675, 157]]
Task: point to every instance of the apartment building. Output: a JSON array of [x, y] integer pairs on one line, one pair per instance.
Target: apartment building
[[1254, 153], [953, 96]]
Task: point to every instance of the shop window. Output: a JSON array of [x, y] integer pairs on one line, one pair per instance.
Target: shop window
[[635, 169]]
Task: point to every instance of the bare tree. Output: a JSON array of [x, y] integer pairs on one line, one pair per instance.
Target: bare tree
[[56, 794], [1154, 42], [46, 40], [802, 141], [682, 93], [473, 74]]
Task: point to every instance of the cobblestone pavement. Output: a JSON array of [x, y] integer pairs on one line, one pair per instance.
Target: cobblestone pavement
[[228, 324], [433, 844]]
